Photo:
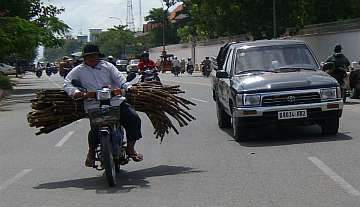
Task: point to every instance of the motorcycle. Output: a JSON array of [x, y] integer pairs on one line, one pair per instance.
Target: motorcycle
[[340, 75], [206, 70], [176, 70], [149, 75], [111, 147], [38, 73], [190, 69]]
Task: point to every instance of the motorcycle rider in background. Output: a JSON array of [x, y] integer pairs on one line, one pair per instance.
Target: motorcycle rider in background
[[145, 62], [190, 66], [176, 66], [111, 60], [183, 65], [340, 67], [206, 66]]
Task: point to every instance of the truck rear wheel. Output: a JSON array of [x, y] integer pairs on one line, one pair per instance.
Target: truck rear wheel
[[224, 120], [330, 126], [240, 133]]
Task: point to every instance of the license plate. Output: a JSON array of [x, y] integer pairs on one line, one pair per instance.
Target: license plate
[[296, 114]]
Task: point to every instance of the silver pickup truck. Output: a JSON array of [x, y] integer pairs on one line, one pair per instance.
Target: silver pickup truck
[[273, 82]]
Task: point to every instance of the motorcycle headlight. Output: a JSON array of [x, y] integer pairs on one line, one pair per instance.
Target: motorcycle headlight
[[239, 100], [329, 93], [252, 100]]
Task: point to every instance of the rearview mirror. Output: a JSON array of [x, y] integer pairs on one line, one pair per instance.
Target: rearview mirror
[[222, 74]]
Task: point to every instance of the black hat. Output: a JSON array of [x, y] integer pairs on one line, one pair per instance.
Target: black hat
[[91, 49]]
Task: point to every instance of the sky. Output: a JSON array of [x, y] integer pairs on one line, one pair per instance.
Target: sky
[[82, 15]]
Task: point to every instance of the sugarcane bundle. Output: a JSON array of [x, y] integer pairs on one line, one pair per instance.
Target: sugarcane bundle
[[53, 108]]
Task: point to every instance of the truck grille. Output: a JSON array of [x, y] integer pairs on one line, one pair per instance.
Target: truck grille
[[291, 99]]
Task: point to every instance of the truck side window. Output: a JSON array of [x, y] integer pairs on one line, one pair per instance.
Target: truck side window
[[226, 62], [229, 62]]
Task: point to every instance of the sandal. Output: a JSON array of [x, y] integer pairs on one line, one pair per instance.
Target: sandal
[[136, 157]]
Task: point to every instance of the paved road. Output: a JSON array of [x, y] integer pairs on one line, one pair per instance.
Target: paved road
[[203, 166]]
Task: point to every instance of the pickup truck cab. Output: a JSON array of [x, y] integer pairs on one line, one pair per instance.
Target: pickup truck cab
[[273, 82]]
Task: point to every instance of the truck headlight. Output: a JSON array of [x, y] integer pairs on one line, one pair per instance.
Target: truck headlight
[[239, 100], [252, 100], [328, 93]]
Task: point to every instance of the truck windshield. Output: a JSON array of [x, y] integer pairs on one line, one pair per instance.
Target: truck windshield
[[274, 58]]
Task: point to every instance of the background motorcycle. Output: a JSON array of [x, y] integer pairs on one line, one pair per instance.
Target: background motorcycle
[[190, 69], [149, 74], [111, 149], [206, 70], [340, 75], [38, 73]]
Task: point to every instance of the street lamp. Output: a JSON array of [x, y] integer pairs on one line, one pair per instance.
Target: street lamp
[[117, 19]]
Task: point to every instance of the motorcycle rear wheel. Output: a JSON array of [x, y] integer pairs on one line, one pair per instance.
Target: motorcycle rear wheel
[[108, 159]]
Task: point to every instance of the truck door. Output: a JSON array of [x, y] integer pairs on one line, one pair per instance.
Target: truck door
[[224, 83]]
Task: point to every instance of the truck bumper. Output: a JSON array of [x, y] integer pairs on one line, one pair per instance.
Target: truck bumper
[[267, 115]]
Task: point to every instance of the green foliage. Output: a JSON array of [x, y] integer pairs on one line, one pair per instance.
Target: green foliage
[[70, 46], [215, 18], [118, 42], [5, 82], [26, 24]]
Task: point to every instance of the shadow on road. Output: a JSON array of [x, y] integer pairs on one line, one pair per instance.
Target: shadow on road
[[286, 135], [126, 181]]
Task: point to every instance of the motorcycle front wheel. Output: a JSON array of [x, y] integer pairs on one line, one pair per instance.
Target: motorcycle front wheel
[[108, 159]]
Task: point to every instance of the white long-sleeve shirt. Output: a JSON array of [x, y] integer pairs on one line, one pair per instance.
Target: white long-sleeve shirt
[[94, 78]]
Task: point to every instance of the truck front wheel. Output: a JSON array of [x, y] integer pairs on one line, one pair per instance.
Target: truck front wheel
[[240, 133], [224, 120], [330, 126]]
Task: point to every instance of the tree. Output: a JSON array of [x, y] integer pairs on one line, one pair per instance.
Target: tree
[[26, 24], [118, 42]]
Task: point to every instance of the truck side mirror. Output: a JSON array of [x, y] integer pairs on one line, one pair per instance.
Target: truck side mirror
[[222, 74]]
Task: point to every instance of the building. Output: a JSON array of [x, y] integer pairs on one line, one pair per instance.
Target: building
[[82, 38], [150, 26], [93, 33]]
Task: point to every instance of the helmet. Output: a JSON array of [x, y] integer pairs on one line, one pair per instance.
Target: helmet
[[65, 58], [145, 54], [175, 57], [110, 57], [189, 58], [206, 58], [337, 48]]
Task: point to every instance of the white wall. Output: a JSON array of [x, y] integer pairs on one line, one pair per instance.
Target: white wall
[[322, 45]]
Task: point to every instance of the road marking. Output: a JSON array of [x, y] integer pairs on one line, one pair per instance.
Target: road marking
[[335, 177], [64, 139], [14, 179], [199, 100]]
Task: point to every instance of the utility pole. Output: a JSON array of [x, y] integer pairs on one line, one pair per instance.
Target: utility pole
[[140, 20], [130, 16], [274, 19]]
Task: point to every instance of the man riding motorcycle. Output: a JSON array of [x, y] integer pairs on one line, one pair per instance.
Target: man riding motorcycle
[[190, 66], [145, 62], [339, 68], [95, 74], [206, 66]]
